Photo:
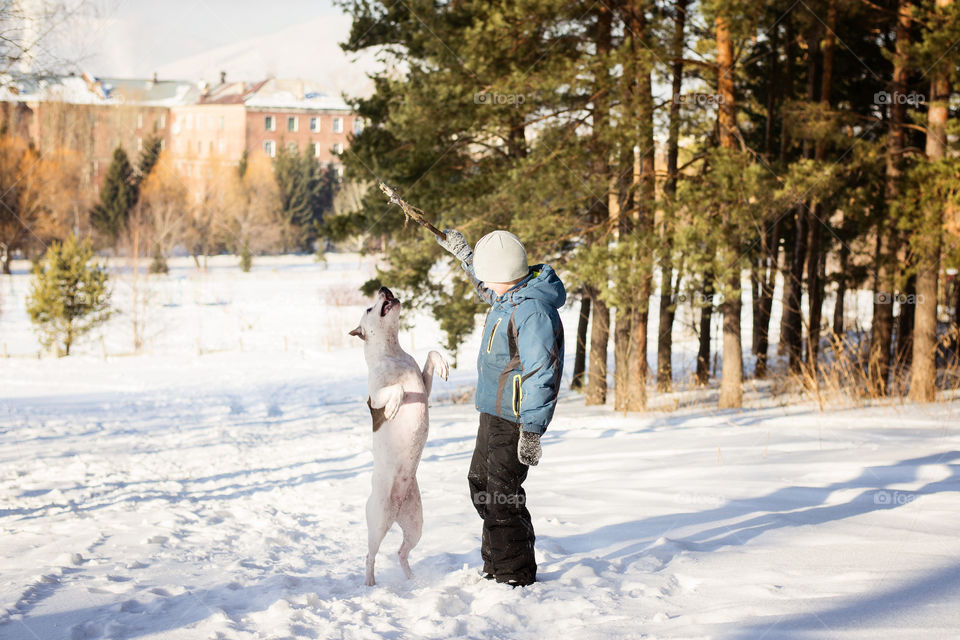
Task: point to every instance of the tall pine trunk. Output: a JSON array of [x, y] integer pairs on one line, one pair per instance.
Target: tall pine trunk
[[837, 325], [766, 286], [794, 298], [706, 319], [668, 301], [766, 271], [621, 207], [580, 358], [596, 392], [731, 376], [904, 350], [599, 338], [815, 258], [639, 204], [786, 269], [923, 382], [888, 244]]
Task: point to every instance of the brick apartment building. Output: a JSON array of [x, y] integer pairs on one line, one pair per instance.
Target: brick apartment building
[[198, 124], [259, 118]]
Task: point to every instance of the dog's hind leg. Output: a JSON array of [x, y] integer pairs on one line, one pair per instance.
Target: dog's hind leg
[[378, 522], [410, 519]]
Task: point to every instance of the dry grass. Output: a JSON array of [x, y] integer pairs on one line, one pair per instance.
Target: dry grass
[[841, 378], [343, 295]]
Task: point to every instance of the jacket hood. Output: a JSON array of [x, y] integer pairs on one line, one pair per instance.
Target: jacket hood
[[543, 284]]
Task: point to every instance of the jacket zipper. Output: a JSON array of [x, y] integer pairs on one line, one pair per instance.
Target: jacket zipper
[[493, 333], [517, 394]]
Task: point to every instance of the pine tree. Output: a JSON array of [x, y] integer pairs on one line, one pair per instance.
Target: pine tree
[[453, 132], [149, 157], [307, 191], [731, 380], [928, 243], [69, 296], [118, 194]]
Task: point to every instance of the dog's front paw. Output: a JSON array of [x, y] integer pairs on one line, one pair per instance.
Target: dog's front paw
[[443, 370], [395, 399]]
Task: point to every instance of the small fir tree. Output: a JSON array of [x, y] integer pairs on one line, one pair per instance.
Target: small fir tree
[[246, 255], [117, 197], [159, 262], [69, 296]]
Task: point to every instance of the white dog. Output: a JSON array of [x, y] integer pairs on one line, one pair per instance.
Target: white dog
[[398, 393]]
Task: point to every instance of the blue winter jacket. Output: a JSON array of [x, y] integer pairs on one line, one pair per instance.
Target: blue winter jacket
[[521, 355]]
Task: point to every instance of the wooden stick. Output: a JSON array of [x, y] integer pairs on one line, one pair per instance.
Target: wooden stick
[[410, 212]]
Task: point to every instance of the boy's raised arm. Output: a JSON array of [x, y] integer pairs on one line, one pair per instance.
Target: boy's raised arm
[[456, 244]]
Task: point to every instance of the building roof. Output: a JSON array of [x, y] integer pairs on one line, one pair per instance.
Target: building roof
[[282, 93], [271, 93], [86, 89]]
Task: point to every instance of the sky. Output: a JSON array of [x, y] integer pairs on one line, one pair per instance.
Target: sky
[[196, 39]]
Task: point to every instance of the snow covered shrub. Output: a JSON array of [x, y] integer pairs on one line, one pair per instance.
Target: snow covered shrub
[[69, 295]]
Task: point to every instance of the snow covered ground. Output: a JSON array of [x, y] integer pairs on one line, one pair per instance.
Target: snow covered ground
[[214, 487]]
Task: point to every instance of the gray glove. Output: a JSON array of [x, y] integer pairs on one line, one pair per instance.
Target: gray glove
[[528, 448], [456, 244]]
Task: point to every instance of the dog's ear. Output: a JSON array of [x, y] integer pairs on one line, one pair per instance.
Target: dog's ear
[[359, 333]]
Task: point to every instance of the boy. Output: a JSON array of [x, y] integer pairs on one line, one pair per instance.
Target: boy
[[518, 370]]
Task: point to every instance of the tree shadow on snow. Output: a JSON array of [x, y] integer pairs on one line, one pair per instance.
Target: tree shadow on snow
[[787, 507], [154, 611], [906, 606]]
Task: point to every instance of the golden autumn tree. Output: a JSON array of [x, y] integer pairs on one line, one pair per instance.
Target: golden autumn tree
[[164, 204], [251, 223], [41, 198]]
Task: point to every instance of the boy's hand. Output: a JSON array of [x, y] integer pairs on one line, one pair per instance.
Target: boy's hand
[[528, 448], [456, 244]]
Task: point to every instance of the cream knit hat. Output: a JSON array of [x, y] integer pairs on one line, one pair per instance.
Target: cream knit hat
[[499, 256]]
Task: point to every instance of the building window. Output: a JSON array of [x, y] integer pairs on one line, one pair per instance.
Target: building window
[[357, 126], [189, 121], [270, 148], [292, 147], [199, 147], [338, 125], [338, 168], [270, 123], [293, 124], [163, 121], [189, 170], [139, 144], [139, 121], [163, 144], [211, 147], [337, 148], [314, 124], [222, 123], [222, 146], [316, 149]]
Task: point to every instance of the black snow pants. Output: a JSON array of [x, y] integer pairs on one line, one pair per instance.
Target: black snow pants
[[495, 477]]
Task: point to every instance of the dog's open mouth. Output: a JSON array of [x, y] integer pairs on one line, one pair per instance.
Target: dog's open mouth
[[389, 301]]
